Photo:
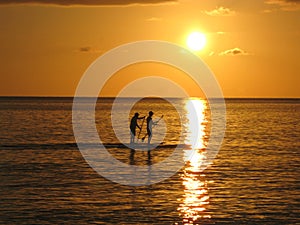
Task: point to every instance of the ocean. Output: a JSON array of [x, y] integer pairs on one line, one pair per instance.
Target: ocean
[[254, 178]]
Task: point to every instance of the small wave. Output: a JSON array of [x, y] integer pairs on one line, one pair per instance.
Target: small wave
[[73, 145], [33, 146]]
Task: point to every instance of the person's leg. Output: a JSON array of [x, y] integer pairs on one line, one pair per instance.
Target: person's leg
[[132, 135], [149, 136]]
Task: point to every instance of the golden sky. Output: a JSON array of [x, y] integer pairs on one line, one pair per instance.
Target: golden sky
[[252, 45]]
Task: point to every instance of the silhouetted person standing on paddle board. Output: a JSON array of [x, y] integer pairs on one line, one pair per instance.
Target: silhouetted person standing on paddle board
[[150, 124], [133, 125]]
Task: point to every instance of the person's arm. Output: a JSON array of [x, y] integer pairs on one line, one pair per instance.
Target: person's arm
[[155, 123], [151, 122]]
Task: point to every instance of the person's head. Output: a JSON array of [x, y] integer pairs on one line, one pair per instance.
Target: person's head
[[136, 114], [151, 113]]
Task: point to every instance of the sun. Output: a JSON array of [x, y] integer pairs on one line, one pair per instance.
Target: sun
[[196, 41]]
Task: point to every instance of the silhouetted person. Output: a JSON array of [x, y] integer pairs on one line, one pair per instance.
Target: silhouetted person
[[150, 124], [133, 125]]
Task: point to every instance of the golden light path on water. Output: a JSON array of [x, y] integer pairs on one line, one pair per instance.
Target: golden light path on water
[[195, 200]]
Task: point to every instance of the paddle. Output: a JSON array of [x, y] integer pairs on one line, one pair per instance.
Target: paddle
[[141, 129], [143, 138]]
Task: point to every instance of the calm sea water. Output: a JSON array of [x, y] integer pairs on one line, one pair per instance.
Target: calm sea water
[[254, 179]]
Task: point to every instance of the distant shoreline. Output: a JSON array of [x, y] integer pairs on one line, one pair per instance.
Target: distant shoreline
[[110, 97]]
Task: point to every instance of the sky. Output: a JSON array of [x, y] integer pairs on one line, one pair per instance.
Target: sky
[[252, 46]]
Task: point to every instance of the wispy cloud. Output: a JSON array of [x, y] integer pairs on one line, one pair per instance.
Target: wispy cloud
[[87, 2], [285, 5], [220, 11], [88, 49], [234, 52], [154, 19], [84, 49]]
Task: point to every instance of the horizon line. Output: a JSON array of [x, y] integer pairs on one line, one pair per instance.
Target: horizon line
[[45, 96]]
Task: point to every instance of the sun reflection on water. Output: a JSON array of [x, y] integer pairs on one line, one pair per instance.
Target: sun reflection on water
[[195, 110], [194, 202]]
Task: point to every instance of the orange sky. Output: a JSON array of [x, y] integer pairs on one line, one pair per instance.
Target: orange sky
[[252, 46]]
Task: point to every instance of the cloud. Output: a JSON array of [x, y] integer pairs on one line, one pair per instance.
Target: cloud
[[268, 11], [88, 49], [87, 2], [285, 5], [221, 11], [154, 19], [234, 52], [84, 49]]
